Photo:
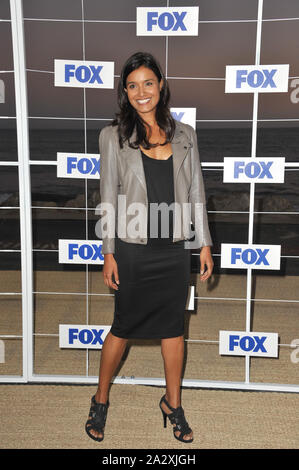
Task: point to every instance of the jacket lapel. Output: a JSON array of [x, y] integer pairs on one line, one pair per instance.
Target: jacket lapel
[[134, 161], [180, 145]]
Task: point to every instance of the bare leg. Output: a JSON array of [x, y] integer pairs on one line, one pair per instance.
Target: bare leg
[[172, 350], [112, 351]]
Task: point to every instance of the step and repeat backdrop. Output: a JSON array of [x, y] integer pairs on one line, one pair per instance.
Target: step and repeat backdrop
[[233, 73]]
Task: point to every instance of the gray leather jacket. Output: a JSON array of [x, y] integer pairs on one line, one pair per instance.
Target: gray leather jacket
[[122, 174]]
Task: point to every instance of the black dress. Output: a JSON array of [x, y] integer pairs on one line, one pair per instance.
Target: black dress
[[154, 278]]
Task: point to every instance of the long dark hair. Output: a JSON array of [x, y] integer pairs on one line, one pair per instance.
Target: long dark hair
[[127, 119]]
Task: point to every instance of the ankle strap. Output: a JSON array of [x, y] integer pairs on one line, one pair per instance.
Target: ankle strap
[[167, 404], [94, 402]]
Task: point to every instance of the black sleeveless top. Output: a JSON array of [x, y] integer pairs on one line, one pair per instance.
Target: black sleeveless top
[[160, 188]]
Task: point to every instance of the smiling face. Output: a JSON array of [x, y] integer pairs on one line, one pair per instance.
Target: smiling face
[[143, 90]]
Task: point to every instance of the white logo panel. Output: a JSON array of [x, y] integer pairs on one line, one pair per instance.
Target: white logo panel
[[80, 251], [242, 256], [83, 74], [253, 78], [257, 170], [167, 21], [240, 343], [185, 115], [82, 336]]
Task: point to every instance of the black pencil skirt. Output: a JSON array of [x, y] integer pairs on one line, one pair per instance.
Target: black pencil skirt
[[153, 290]]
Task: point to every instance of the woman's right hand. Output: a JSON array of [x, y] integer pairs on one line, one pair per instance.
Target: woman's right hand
[[109, 269]]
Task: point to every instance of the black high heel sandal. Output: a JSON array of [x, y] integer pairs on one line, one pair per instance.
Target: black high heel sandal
[[176, 417], [96, 419]]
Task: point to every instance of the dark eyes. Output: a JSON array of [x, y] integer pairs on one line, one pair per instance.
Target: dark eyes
[[132, 85]]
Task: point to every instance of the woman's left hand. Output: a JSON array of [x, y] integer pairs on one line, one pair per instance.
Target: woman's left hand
[[206, 263]]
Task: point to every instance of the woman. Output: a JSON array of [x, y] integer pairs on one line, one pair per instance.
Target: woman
[[149, 158]]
